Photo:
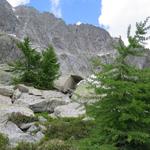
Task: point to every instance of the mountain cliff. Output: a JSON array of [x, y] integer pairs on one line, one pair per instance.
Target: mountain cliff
[[75, 45], [8, 20]]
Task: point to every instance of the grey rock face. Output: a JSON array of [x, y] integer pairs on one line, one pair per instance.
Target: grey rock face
[[67, 83], [15, 134], [6, 74], [72, 110], [10, 129], [85, 95], [6, 90], [142, 61], [75, 45], [8, 48], [26, 101], [5, 100], [5, 77], [6, 110], [25, 126], [42, 101], [8, 20], [42, 105]]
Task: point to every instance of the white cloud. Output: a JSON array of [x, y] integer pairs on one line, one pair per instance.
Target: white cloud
[[118, 14], [15, 3], [55, 8], [78, 23]]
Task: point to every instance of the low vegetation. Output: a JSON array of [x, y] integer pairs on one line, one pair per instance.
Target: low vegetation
[[46, 145], [55, 144], [61, 134], [66, 129], [4, 142]]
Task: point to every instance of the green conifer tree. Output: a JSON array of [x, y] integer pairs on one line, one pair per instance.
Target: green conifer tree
[[123, 115], [28, 65], [35, 69], [49, 69]]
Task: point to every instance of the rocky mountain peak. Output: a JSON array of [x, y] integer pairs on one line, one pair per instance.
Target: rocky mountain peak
[[75, 45]]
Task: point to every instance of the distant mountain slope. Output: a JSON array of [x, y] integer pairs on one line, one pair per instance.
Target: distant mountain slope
[[75, 45], [8, 20]]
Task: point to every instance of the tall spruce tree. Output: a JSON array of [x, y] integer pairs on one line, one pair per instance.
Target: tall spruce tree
[[35, 69], [123, 115], [28, 65], [49, 69]]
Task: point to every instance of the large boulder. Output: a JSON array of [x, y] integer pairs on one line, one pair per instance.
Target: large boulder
[[15, 134], [67, 83], [6, 75], [69, 111], [85, 93], [6, 90], [7, 114], [5, 100], [41, 100], [6, 110], [22, 88]]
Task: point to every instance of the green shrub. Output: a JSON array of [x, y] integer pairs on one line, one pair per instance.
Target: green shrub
[[69, 129], [49, 69], [35, 69], [55, 145], [107, 147], [26, 146], [44, 145], [123, 115], [3, 142]]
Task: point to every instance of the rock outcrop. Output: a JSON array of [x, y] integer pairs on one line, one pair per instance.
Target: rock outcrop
[[9, 128], [75, 45], [46, 102], [70, 110], [8, 20], [67, 83], [84, 93], [8, 49], [18, 105]]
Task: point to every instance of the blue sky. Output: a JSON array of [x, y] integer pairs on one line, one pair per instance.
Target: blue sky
[[73, 11]]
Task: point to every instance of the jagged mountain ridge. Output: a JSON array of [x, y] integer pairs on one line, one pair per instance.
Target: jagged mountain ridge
[[74, 45]]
